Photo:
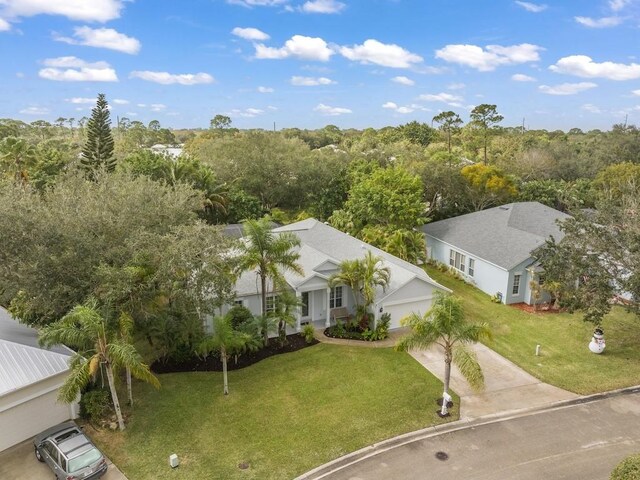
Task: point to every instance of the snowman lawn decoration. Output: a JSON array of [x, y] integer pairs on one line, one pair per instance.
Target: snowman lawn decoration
[[597, 341]]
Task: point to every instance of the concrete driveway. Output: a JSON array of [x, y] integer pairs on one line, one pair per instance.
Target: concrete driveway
[[19, 463], [507, 386]]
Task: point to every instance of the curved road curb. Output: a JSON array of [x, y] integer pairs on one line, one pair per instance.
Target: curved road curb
[[328, 468]]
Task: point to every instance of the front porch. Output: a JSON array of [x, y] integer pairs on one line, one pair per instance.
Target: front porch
[[323, 306]]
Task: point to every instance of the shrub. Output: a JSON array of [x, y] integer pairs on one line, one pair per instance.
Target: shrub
[[239, 315], [308, 332], [628, 469], [383, 326], [95, 404]]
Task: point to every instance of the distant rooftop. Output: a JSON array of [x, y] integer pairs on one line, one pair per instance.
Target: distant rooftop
[[505, 236]]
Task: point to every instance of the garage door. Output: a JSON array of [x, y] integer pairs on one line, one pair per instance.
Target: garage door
[[401, 310], [27, 419]]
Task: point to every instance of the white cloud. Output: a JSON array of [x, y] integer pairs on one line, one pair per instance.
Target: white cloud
[[492, 56], [166, 78], [73, 69], [521, 77], [402, 80], [617, 5], [591, 108], [390, 105], [141, 105], [532, 7], [4, 25], [265, 89], [101, 38], [448, 98], [386, 55], [456, 86], [298, 46], [131, 114], [246, 113], [157, 107], [310, 81], [250, 33], [89, 11], [331, 111], [271, 107], [404, 110], [636, 92], [81, 100], [323, 6], [603, 22], [35, 111], [584, 66], [566, 88], [120, 101]]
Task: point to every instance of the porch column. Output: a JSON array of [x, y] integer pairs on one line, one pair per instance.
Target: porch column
[[327, 322], [298, 310]]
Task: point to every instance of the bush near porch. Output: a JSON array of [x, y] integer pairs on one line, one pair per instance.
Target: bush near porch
[[565, 359], [283, 416]]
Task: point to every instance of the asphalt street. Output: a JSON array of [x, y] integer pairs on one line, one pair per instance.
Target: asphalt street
[[582, 441]]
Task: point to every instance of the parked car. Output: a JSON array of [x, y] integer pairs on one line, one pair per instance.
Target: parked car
[[69, 453]]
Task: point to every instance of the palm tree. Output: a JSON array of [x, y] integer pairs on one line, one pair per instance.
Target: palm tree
[[270, 254], [225, 340], [19, 156], [284, 313], [445, 325], [374, 274], [362, 277], [98, 343]]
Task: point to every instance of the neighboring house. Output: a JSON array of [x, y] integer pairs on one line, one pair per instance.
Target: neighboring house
[[172, 150], [493, 248], [321, 251], [30, 377]]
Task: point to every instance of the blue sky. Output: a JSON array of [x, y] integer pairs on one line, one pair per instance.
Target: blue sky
[[309, 63]]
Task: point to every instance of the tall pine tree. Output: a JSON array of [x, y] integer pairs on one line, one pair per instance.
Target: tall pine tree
[[97, 153]]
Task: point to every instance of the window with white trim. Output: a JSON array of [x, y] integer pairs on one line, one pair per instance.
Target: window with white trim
[[457, 260], [271, 303], [335, 298], [239, 303], [516, 285], [472, 267]]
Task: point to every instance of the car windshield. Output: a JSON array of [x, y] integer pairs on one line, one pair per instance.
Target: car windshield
[[84, 460]]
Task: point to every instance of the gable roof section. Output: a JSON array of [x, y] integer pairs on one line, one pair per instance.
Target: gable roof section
[[337, 246], [505, 236], [22, 361]]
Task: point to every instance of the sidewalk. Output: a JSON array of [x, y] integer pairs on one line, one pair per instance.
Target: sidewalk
[[507, 386]]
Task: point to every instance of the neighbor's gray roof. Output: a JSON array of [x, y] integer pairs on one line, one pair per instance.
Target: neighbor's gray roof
[[321, 242], [505, 236], [22, 361]]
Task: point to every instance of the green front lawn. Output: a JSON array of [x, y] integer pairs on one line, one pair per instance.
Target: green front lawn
[[284, 415], [565, 359]]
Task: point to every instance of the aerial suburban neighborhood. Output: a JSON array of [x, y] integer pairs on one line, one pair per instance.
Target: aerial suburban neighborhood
[[319, 239]]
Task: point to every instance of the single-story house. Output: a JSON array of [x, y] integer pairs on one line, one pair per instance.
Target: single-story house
[[493, 248], [321, 251], [30, 377]]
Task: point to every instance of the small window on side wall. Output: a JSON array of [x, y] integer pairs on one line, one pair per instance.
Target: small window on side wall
[[472, 267], [516, 285]]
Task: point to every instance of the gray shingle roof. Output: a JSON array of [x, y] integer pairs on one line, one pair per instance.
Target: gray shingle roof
[[504, 236], [320, 243]]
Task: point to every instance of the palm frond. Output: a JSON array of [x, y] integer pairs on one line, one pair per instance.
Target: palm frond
[[467, 362], [78, 378]]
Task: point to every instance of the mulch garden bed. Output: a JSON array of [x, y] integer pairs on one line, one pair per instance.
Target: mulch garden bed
[[543, 308], [213, 363]]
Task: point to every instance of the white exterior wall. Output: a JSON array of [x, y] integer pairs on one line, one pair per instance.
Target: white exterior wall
[[488, 277], [26, 412], [414, 297], [524, 294]]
